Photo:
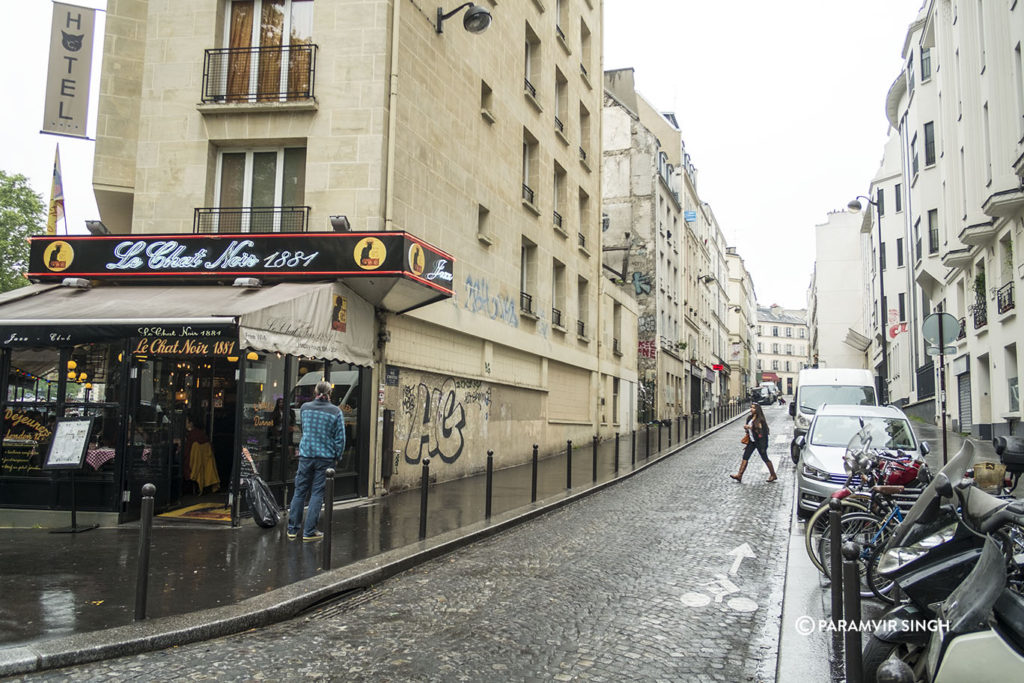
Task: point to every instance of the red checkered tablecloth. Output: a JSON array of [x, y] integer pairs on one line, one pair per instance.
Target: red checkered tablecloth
[[97, 457]]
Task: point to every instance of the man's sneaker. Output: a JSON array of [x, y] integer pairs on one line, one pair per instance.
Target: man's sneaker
[[315, 536], [292, 535]]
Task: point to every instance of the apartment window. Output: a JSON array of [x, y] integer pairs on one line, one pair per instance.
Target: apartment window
[[531, 167], [584, 133], [775, 331], [582, 306], [963, 183], [558, 195], [527, 275], [899, 252], [561, 101], [760, 365], [929, 143], [585, 49], [584, 228], [561, 16], [270, 56], [913, 156], [981, 34], [881, 256], [933, 231], [902, 302], [802, 332], [483, 225], [760, 330], [260, 190], [557, 293], [788, 366], [910, 75], [617, 328], [759, 349], [789, 331], [885, 307], [531, 63], [775, 365], [917, 239], [1018, 72], [789, 350], [926, 64], [486, 102], [775, 349], [898, 197], [880, 201]]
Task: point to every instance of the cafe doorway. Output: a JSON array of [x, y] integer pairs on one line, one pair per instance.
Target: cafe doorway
[[180, 435]]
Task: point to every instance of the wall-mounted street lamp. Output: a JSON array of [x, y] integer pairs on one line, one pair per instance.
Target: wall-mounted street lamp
[[340, 224], [856, 207], [706, 278], [476, 20]]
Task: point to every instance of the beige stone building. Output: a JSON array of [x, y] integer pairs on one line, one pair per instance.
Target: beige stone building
[[299, 115], [782, 345]]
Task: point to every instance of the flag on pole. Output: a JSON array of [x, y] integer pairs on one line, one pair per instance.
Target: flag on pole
[[56, 198]]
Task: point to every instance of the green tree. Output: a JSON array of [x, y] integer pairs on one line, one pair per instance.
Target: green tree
[[22, 213]]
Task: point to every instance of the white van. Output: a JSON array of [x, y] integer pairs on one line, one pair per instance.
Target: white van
[[818, 386]]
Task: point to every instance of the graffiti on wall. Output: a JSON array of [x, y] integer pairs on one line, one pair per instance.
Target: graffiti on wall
[[647, 349], [436, 417], [496, 306], [646, 325], [641, 283]]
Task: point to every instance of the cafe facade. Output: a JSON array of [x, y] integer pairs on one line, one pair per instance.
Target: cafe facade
[[192, 355]]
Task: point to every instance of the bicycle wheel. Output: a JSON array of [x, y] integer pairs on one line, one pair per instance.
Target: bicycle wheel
[[881, 587], [819, 522], [862, 528]]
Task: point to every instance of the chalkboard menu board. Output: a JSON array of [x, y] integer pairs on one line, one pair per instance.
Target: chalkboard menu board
[[69, 444]]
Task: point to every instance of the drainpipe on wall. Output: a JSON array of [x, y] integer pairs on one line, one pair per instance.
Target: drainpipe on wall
[[389, 177]]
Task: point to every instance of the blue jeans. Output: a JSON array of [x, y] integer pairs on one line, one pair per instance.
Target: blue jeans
[[311, 472]]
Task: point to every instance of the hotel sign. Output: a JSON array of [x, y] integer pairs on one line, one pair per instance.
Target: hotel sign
[[204, 258], [67, 80]]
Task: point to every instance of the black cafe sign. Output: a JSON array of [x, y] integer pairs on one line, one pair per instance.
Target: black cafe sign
[[284, 256]]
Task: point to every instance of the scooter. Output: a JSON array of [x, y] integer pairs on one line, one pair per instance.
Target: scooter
[[932, 551], [982, 627]]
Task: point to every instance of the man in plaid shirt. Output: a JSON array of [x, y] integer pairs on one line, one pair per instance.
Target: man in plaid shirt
[[323, 441]]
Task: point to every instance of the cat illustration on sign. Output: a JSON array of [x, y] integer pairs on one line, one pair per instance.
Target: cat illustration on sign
[[71, 42]]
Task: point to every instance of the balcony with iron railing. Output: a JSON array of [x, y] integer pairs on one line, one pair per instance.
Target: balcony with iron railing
[[582, 240], [583, 155], [616, 347], [529, 87], [559, 126], [1004, 298], [527, 194], [556, 317], [282, 73], [581, 328], [556, 218], [980, 314], [241, 219], [525, 302]]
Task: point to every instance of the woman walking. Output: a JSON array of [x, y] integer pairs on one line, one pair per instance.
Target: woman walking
[[757, 431]]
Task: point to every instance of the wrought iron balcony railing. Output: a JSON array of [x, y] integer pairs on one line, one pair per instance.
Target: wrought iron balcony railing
[[583, 239], [527, 193], [1004, 298], [616, 347], [557, 218], [980, 316], [556, 317], [529, 87], [583, 70], [559, 32], [259, 74], [581, 328], [559, 126], [250, 219], [525, 302], [583, 154], [962, 334]]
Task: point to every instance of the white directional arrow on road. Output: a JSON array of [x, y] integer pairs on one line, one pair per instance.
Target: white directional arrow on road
[[740, 551]]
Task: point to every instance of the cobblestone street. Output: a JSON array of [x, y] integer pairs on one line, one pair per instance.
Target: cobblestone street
[[675, 574]]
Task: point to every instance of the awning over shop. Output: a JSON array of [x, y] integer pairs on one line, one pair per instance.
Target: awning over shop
[[318, 320]]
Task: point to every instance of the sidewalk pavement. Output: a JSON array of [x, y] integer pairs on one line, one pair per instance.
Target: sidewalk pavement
[[70, 598]]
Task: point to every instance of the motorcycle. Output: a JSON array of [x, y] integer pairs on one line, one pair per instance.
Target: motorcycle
[[982, 626], [932, 551]]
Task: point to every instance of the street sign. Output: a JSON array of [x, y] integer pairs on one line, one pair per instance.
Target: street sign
[[935, 350], [950, 329]]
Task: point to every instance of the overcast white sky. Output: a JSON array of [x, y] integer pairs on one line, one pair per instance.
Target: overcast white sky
[[781, 105]]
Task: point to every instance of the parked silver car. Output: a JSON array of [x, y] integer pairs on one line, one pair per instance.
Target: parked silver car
[[820, 469]]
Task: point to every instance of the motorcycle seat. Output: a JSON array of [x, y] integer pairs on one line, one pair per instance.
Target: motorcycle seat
[[887, 490]]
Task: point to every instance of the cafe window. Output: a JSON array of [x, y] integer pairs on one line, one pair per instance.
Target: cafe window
[[30, 412], [93, 388], [263, 415]]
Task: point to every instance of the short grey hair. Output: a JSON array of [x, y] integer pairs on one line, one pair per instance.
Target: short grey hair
[[324, 388]]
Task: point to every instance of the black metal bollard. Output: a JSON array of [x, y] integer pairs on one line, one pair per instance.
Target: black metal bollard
[[669, 421], [851, 608], [568, 464], [616, 453], [679, 428], [835, 516], [632, 449], [533, 477], [660, 422], [647, 440], [424, 483], [686, 427], [328, 518], [490, 485], [593, 472], [142, 573]]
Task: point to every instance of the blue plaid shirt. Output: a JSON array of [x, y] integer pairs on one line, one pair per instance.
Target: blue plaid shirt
[[323, 430]]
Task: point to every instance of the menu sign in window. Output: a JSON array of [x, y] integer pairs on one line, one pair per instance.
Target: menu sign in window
[[70, 441], [24, 435]]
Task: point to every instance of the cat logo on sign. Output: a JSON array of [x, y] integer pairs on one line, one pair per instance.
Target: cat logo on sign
[[416, 260], [370, 253], [58, 256]]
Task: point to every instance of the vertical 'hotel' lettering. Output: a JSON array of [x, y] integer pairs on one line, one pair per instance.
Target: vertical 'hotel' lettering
[[67, 82]]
